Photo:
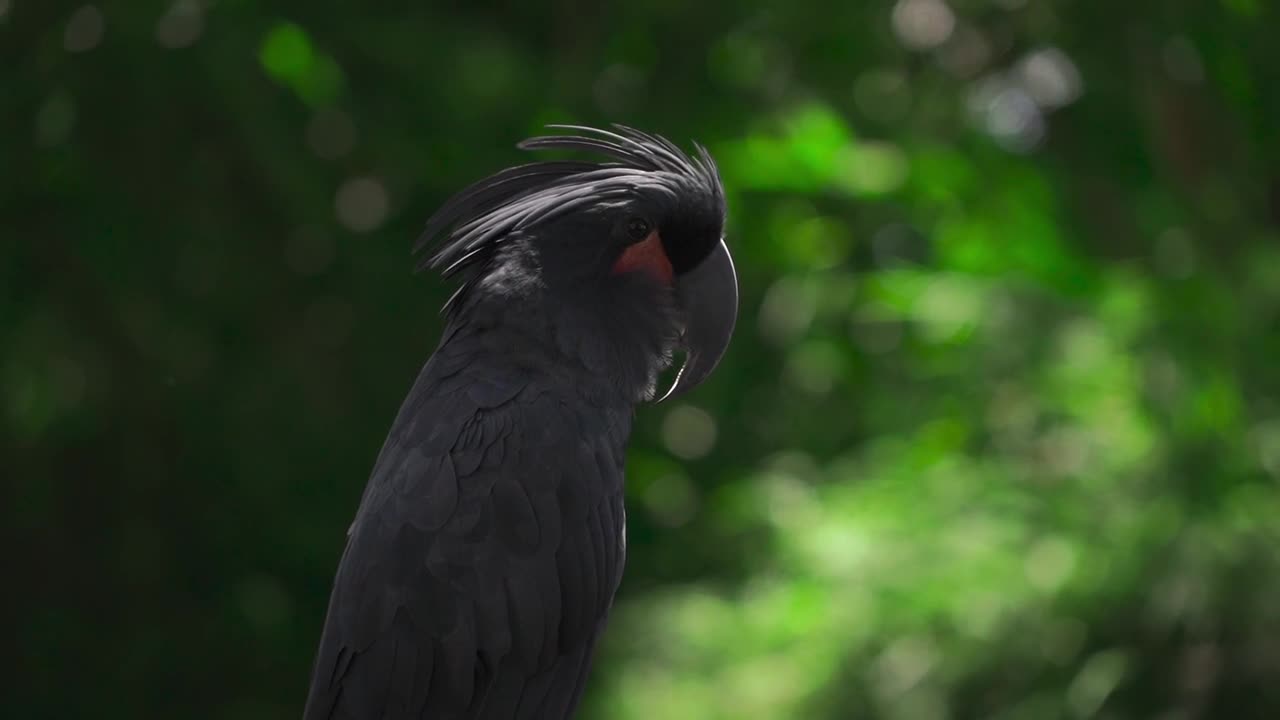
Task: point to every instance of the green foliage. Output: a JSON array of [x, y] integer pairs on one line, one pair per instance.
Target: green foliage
[[998, 436]]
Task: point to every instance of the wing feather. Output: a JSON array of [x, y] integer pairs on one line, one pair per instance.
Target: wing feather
[[481, 564]]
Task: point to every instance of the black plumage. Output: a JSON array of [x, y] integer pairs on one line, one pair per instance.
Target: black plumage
[[489, 542]]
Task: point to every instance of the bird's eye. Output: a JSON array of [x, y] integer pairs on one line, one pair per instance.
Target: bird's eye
[[638, 228]]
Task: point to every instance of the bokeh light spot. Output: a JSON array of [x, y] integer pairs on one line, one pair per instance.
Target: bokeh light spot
[[1096, 681], [672, 499], [56, 119], [904, 664], [1050, 78], [871, 168], [84, 30], [814, 367], [1049, 564], [286, 52], [1008, 114], [948, 308], [923, 24], [787, 310], [966, 53], [181, 25], [289, 56], [362, 204], [689, 432]]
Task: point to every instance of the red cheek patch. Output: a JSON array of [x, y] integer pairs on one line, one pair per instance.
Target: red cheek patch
[[646, 256]]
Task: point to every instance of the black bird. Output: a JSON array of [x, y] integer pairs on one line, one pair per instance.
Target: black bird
[[484, 556]]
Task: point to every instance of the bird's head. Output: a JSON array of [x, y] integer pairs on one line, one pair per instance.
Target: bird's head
[[631, 248]]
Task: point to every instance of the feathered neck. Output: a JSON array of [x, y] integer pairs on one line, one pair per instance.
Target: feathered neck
[[609, 338]]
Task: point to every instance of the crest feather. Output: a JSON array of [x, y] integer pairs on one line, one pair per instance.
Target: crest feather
[[466, 231]]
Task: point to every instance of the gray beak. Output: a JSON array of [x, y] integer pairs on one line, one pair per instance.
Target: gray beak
[[708, 296]]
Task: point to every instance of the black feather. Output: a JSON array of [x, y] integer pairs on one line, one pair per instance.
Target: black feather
[[489, 542], [469, 228], [472, 584]]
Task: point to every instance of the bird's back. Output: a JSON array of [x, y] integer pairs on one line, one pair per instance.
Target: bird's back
[[486, 551]]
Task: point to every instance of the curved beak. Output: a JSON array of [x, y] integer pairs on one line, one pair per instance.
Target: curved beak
[[708, 297]]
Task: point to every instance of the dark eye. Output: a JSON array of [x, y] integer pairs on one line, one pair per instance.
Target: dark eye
[[638, 228]]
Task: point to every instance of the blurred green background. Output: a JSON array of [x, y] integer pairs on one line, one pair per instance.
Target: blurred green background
[[998, 436]]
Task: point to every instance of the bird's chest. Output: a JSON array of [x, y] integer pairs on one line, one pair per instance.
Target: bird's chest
[[529, 478]]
